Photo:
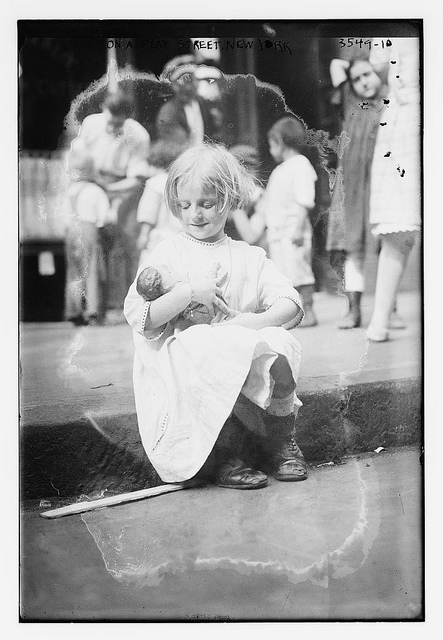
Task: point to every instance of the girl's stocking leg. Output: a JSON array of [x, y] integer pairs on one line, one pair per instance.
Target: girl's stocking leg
[[287, 458], [75, 283], [391, 265], [306, 292], [354, 286], [395, 320], [92, 275], [281, 373]]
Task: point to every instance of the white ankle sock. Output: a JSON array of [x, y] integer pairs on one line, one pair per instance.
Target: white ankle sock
[[282, 406]]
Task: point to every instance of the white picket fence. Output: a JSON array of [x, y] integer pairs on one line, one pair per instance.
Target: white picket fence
[[42, 183]]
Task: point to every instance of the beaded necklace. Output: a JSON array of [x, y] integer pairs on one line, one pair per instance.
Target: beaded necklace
[[206, 244]]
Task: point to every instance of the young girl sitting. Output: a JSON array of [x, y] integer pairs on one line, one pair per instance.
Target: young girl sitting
[[203, 389]]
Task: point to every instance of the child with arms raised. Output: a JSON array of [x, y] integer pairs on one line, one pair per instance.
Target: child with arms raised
[[200, 390]]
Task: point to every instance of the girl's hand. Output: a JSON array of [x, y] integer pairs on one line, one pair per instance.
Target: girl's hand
[[221, 317], [213, 271], [207, 291]]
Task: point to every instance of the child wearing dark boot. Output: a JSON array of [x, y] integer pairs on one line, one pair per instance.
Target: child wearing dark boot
[[289, 196]]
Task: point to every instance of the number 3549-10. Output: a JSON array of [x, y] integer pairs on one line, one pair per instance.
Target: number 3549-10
[[359, 42]]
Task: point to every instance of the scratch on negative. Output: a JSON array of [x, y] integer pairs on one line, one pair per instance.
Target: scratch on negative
[[68, 367], [401, 502]]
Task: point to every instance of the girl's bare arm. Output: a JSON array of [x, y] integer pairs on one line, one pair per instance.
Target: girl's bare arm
[[205, 291], [281, 312]]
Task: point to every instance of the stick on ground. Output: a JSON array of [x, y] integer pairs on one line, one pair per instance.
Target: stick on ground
[[81, 507]]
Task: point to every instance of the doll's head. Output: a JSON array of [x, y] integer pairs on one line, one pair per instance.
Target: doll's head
[[364, 80], [204, 184], [287, 133], [149, 284]]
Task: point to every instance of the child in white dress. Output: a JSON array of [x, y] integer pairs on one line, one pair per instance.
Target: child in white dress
[[86, 210], [202, 389], [289, 195], [156, 222]]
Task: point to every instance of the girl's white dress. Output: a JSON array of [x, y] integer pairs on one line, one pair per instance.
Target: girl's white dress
[[186, 384]]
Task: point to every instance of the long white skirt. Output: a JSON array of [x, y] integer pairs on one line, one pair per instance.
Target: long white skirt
[[396, 170], [186, 391]]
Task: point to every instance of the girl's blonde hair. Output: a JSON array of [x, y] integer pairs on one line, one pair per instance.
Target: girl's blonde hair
[[212, 167]]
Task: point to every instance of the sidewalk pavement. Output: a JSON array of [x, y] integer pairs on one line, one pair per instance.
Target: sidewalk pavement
[[79, 430], [345, 545]]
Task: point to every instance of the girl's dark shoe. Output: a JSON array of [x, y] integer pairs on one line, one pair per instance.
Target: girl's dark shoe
[[235, 475], [287, 460], [78, 321], [290, 463]]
